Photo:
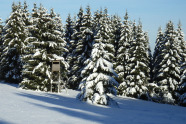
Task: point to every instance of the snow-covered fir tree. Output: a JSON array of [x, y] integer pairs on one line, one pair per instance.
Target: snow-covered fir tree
[[182, 87], [26, 14], [181, 43], [122, 57], [99, 80], [27, 23], [83, 46], [117, 26], [156, 60], [30, 81], [72, 57], [150, 85], [149, 57], [158, 48], [138, 66], [166, 69], [68, 34], [1, 35], [1, 44], [108, 36], [46, 43], [96, 21], [182, 50], [98, 74], [69, 29], [150, 61], [15, 34], [1, 29]]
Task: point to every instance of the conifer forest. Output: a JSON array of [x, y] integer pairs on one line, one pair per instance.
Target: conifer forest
[[100, 54]]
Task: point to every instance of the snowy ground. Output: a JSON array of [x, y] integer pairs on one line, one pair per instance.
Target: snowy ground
[[19, 106]]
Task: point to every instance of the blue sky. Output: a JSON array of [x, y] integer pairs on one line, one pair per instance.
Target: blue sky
[[152, 13]]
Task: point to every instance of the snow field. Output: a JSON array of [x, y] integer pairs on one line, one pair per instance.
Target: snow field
[[19, 106]]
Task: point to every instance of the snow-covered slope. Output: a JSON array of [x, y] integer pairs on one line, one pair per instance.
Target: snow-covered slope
[[19, 106]]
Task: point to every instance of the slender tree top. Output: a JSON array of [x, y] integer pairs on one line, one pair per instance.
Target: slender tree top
[[25, 5], [69, 18], [14, 7], [106, 11], [170, 26], [88, 10], [126, 16], [179, 24], [80, 14]]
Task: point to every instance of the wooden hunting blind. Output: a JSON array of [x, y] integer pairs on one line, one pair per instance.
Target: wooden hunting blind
[[55, 65], [56, 78]]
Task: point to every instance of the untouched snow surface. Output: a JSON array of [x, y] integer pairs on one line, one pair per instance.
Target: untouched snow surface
[[19, 106]]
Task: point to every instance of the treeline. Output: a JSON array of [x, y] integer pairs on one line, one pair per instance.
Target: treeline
[[99, 54]]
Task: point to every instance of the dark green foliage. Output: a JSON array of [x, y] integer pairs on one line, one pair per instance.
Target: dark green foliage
[[117, 29], [72, 57], [83, 41], [68, 35]]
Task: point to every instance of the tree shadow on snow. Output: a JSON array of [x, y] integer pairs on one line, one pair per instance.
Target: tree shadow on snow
[[9, 84], [4, 122], [73, 107]]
